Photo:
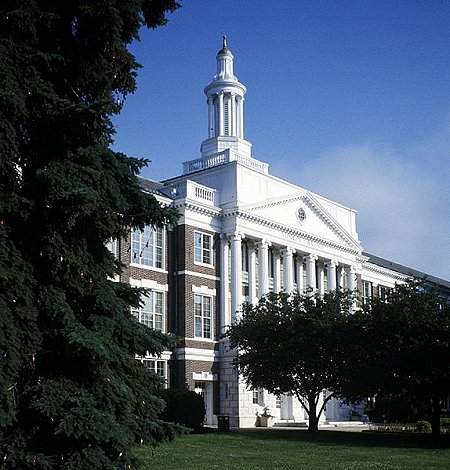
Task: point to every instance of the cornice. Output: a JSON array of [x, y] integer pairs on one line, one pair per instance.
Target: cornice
[[323, 215], [198, 208], [308, 199], [385, 272], [290, 231], [275, 202]]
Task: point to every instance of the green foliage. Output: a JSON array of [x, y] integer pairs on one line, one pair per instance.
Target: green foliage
[[183, 407], [423, 426], [72, 396], [295, 343], [404, 349]]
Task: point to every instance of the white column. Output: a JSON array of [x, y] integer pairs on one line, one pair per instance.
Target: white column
[[300, 286], [252, 274], [221, 115], [351, 278], [351, 285], [340, 277], [225, 318], [288, 272], [321, 279], [331, 274], [232, 121], [236, 275], [211, 131], [311, 271], [241, 117], [263, 258], [276, 271]]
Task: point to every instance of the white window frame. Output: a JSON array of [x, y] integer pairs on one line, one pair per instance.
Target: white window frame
[[203, 254], [111, 246], [367, 292], [203, 316], [147, 247], [152, 312], [383, 292], [158, 366]]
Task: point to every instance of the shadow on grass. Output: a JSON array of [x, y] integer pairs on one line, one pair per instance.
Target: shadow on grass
[[355, 439]]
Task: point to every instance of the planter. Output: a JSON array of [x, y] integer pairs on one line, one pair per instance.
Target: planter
[[265, 421]]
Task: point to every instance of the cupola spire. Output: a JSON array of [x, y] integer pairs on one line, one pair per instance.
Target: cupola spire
[[225, 97]]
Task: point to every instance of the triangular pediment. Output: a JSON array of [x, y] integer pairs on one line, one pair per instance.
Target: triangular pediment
[[306, 213]]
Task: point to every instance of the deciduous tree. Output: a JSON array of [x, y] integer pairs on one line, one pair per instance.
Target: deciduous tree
[[295, 344], [404, 348]]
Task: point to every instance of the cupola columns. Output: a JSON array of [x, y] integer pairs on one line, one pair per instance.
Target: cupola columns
[[225, 98]]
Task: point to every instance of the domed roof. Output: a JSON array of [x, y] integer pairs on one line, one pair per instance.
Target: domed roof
[[224, 50]]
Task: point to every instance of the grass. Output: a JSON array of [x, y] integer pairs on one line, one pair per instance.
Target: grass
[[298, 450]]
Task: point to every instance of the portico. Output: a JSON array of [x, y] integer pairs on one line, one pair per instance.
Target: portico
[[258, 266]]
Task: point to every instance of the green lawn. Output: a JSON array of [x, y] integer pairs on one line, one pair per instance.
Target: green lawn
[[298, 450]]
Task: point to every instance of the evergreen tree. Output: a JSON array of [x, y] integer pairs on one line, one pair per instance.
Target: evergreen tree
[[72, 396]]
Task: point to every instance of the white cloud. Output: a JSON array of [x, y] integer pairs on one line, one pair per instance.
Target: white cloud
[[403, 201]]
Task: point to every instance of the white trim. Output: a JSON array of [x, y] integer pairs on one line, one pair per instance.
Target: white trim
[[196, 354], [385, 272], [149, 284], [165, 355], [195, 274], [202, 249], [149, 268], [204, 376], [203, 290], [163, 247]]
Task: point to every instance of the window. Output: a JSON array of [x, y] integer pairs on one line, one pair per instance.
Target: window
[[383, 292], [278, 401], [151, 313], [226, 116], [111, 245], [202, 248], [367, 292], [147, 246], [202, 316], [157, 366], [255, 396]]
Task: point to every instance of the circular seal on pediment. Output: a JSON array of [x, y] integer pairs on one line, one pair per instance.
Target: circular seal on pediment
[[301, 215]]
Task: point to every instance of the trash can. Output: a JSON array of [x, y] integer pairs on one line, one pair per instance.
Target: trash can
[[223, 423]]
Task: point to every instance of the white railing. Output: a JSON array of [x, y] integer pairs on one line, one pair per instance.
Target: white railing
[[206, 162], [222, 158], [197, 191]]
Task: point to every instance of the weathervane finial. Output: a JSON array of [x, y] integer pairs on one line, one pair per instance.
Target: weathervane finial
[[224, 41]]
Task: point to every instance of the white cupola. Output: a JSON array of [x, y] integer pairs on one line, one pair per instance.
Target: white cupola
[[225, 98]]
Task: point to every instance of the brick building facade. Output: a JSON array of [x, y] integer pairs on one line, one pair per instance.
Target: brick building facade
[[242, 232]]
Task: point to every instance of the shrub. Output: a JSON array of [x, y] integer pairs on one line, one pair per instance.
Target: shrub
[[183, 407], [423, 426]]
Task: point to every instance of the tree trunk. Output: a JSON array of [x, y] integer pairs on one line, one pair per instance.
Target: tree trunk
[[435, 418], [312, 415]]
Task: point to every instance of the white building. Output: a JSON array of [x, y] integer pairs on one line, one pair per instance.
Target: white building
[[242, 232]]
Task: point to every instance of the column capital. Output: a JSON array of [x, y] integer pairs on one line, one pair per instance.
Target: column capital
[[288, 250], [332, 263], [311, 257], [236, 235], [263, 243]]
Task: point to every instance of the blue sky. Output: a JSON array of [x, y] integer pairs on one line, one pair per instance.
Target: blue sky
[[349, 99]]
